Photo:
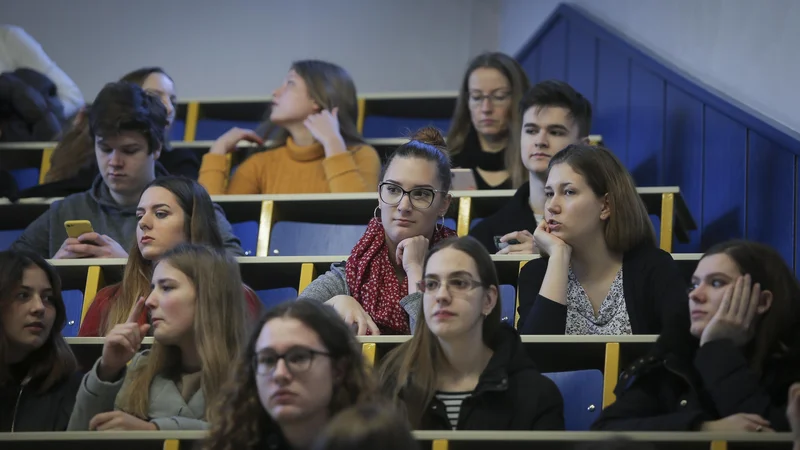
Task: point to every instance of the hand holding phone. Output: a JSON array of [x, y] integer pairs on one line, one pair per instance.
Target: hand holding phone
[[515, 243]]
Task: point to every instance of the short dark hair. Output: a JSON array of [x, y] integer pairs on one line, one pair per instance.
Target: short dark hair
[[559, 93], [53, 362], [123, 106]]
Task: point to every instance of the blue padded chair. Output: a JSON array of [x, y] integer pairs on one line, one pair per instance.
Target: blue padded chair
[[310, 239], [272, 297], [508, 295], [211, 129], [475, 222], [247, 232], [449, 222], [7, 237], [73, 302], [582, 391], [392, 127], [177, 131], [26, 178]]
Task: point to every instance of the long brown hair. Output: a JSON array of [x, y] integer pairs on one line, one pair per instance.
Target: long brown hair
[[220, 328], [199, 227], [75, 149], [329, 86], [367, 426], [53, 361], [776, 332], [242, 422], [462, 121], [408, 373], [629, 224]]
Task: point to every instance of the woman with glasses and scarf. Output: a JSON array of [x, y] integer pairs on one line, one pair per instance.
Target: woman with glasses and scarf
[[375, 291]]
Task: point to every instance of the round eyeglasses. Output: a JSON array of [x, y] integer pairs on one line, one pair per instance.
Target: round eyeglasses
[[420, 197]]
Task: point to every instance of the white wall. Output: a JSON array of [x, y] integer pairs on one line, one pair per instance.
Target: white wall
[[748, 49], [244, 47]]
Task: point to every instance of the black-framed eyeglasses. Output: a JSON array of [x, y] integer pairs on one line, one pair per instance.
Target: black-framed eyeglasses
[[392, 194], [477, 98], [456, 285], [297, 360]]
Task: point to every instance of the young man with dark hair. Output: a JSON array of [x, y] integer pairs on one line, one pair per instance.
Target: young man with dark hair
[[127, 126], [554, 116]]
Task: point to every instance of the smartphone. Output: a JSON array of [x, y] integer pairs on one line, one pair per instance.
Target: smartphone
[[502, 245], [463, 180], [76, 228]]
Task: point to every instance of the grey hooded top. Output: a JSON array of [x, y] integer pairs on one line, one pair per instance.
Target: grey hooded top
[[46, 234]]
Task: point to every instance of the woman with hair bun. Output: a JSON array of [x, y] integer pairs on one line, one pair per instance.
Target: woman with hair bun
[[375, 290]]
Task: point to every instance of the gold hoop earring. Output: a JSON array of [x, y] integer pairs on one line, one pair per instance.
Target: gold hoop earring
[[375, 213]]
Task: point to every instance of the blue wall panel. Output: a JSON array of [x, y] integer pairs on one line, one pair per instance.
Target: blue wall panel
[[553, 59], [531, 65], [683, 155], [797, 215], [739, 174], [770, 181], [611, 106], [582, 62], [646, 127], [724, 159]]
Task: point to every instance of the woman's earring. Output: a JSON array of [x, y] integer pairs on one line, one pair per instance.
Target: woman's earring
[[375, 213], [440, 226]]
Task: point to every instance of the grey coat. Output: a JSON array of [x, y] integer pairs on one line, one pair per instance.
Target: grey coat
[[168, 410], [334, 282], [46, 234]]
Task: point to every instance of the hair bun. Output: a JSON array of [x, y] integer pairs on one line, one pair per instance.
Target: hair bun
[[429, 135]]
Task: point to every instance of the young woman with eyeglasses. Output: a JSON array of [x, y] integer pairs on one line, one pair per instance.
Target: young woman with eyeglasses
[[375, 290], [301, 367], [463, 369], [484, 135]]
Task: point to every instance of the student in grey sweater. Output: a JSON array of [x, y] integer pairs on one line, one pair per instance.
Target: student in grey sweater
[[127, 126], [199, 320], [375, 291]]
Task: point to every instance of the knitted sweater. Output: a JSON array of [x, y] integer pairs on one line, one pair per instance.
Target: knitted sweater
[[293, 169]]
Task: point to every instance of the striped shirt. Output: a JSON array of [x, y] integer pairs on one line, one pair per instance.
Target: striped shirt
[[452, 403]]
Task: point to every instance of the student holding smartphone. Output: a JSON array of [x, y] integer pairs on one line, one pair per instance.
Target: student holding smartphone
[[127, 126], [554, 116]]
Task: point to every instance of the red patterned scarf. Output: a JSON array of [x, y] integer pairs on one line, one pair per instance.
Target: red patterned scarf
[[372, 280]]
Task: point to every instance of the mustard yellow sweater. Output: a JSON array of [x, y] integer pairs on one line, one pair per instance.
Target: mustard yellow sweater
[[293, 169]]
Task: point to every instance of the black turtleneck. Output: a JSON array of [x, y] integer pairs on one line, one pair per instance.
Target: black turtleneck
[[473, 157]]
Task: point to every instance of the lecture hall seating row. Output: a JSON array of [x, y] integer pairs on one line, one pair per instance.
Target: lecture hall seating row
[[429, 440], [268, 225]]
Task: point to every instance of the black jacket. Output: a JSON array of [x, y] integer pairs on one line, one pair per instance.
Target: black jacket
[[678, 387], [29, 410], [472, 156], [29, 107], [511, 395], [515, 215], [655, 293]]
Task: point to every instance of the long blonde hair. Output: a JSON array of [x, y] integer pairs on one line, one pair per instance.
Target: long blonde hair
[[200, 227], [329, 86], [220, 328], [462, 121]]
